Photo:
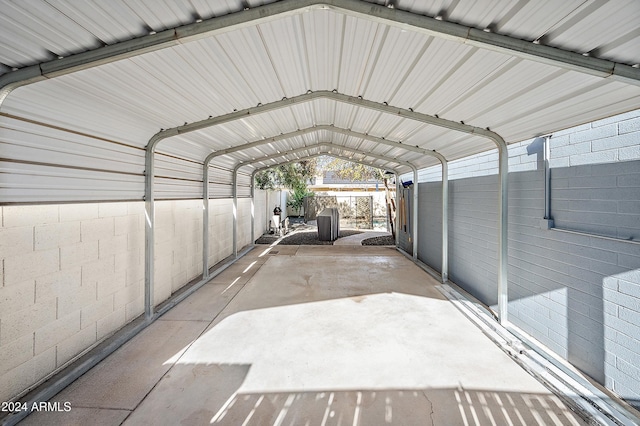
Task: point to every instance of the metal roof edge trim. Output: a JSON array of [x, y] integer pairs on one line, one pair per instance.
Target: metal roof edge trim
[[379, 13]]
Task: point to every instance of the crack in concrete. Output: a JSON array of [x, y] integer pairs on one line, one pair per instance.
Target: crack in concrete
[[431, 407]]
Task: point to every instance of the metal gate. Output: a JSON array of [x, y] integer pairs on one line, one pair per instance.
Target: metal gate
[[355, 211], [364, 212]]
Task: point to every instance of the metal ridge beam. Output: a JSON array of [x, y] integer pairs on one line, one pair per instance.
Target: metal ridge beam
[[378, 13]]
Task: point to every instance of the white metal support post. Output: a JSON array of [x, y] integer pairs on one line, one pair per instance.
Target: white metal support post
[[547, 178], [235, 211], [445, 221], [253, 207], [149, 240], [415, 214], [205, 221], [503, 214], [397, 209], [150, 223]]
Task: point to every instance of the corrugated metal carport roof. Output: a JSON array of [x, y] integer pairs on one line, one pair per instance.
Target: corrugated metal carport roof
[[477, 62], [89, 91]]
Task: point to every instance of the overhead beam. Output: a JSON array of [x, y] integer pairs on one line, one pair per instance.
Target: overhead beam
[[328, 145], [342, 157], [324, 94], [373, 12], [277, 10], [335, 129], [307, 97]]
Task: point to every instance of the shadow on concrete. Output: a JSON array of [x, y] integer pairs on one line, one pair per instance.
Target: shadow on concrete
[[395, 407]]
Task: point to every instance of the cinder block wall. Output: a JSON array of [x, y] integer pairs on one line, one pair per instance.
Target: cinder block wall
[[576, 292], [73, 274], [178, 246]]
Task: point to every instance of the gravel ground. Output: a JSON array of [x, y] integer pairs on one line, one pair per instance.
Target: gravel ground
[[306, 237], [385, 240]]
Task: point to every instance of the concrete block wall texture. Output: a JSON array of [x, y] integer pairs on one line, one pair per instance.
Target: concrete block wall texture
[[220, 230], [244, 222], [576, 292], [178, 246], [605, 141], [72, 275], [587, 176]]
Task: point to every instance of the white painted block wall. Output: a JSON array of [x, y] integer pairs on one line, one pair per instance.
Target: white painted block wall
[[73, 274]]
